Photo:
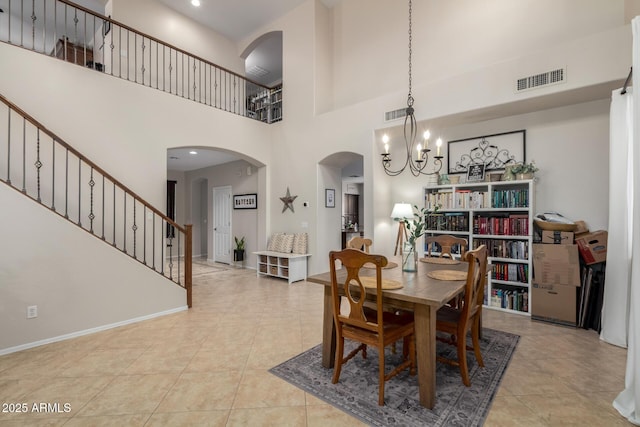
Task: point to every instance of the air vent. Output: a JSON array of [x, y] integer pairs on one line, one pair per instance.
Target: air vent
[[395, 114], [539, 80], [257, 71]]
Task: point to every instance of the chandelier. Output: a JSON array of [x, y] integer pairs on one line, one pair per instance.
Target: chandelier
[[417, 165]]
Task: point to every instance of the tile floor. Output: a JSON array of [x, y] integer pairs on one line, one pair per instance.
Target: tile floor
[[208, 366]]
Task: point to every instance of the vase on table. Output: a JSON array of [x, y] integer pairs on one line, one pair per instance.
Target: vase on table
[[508, 174], [409, 257], [526, 175]]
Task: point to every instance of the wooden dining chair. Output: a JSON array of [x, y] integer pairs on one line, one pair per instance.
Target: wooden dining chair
[[360, 243], [369, 327], [446, 243], [456, 322]]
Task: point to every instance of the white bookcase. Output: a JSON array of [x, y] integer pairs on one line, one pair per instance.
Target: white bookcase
[[292, 267], [500, 215]]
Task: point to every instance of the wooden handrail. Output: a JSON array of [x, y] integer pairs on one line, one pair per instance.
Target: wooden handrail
[[123, 187], [128, 28]]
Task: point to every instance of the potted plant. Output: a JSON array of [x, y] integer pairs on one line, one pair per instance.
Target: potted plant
[[416, 228], [238, 252], [525, 170]]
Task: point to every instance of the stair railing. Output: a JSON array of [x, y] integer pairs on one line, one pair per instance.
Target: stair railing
[[42, 166], [75, 34]]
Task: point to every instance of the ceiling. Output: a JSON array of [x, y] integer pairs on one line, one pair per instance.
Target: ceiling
[[235, 20]]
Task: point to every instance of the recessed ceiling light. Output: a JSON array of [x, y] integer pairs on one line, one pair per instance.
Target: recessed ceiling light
[[193, 152], [173, 158], [196, 3]]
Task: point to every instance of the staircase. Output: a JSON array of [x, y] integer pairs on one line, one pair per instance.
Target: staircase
[[77, 35], [42, 166]]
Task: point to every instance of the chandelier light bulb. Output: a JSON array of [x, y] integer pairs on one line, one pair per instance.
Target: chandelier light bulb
[[438, 144], [426, 134]]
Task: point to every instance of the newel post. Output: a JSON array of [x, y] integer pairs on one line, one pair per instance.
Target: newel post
[[187, 261]]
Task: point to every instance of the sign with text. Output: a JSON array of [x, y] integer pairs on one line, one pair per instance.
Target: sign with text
[[475, 173]]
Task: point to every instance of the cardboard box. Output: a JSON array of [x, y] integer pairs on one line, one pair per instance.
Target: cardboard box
[[556, 265], [593, 247], [557, 237], [554, 303]]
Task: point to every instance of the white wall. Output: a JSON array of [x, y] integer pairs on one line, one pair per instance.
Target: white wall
[[87, 285], [157, 20]]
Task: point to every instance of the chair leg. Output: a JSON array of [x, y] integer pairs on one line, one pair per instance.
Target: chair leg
[[381, 376], [462, 360], [338, 363], [475, 335]]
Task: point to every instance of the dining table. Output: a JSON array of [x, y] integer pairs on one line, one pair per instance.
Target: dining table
[[420, 293]]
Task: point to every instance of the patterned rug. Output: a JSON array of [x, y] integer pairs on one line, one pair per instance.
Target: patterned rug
[[357, 391]]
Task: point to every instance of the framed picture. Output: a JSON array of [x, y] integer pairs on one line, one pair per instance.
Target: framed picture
[[493, 151], [245, 201], [329, 198], [475, 173]]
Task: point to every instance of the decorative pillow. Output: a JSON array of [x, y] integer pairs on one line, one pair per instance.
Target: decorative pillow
[[286, 244], [274, 241], [300, 243]]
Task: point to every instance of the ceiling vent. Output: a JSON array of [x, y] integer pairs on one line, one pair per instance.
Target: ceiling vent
[[395, 114], [540, 80], [257, 71]]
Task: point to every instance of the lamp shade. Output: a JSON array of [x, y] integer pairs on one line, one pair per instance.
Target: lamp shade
[[402, 211]]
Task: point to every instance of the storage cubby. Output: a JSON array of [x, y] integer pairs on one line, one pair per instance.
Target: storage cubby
[[292, 267]]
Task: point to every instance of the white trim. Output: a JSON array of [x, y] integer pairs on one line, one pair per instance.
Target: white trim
[[90, 331]]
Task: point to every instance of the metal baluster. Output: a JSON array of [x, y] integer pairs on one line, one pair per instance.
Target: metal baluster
[[66, 184], [182, 73], [179, 233], [194, 79], [144, 234], [124, 225], [142, 69], [170, 254], [38, 164], [103, 218], [128, 55], [21, 25], [79, 191], [114, 214], [9, 25], [120, 54], [64, 34], [235, 99], [153, 242], [200, 84], [135, 56], [33, 25], [75, 32], [92, 183], [55, 27], [53, 174], [9, 141], [164, 72], [170, 70], [24, 155], [157, 66], [134, 228], [188, 78]]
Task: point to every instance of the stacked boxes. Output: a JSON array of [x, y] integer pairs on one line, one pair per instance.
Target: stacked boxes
[[556, 268]]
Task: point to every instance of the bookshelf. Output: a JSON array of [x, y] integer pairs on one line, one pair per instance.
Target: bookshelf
[[499, 215], [266, 105]]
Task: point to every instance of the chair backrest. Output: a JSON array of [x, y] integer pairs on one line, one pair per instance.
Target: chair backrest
[[446, 243], [352, 288], [360, 243], [476, 278]]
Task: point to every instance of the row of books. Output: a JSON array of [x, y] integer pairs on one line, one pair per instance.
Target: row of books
[[448, 222], [512, 299], [516, 249], [511, 225], [510, 272], [511, 198]]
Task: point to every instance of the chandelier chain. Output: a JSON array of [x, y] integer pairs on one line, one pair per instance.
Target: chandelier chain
[[410, 97]]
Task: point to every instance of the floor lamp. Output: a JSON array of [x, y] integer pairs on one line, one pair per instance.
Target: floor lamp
[[401, 212]]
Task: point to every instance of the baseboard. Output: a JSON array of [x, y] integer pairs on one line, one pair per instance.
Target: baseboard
[[89, 331]]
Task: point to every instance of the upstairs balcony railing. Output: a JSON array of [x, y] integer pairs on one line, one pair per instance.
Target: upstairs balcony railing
[[75, 34], [42, 166]]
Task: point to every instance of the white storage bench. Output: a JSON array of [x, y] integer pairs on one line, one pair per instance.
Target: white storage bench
[[292, 267]]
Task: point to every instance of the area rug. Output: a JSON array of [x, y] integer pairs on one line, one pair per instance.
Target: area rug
[[357, 391]]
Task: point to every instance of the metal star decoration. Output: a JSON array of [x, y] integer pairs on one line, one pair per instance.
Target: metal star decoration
[[288, 201]]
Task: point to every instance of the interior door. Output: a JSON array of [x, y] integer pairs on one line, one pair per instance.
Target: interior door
[[222, 224]]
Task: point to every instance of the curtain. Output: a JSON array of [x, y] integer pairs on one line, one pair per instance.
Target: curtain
[[615, 307], [628, 401]]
